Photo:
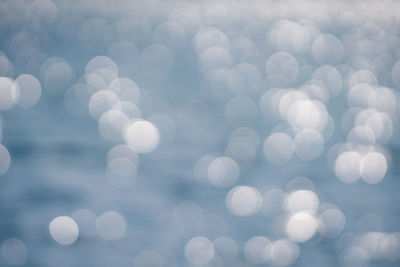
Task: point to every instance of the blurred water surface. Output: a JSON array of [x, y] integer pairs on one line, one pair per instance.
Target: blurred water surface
[[187, 133]]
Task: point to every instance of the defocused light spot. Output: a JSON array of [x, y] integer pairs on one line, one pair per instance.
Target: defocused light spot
[[299, 183], [126, 89], [101, 62], [6, 66], [76, 99], [394, 240], [348, 118], [361, 134], [331, 223], [288, 99], [382, 99], [102, 101], [14, 252], [142, 136], [242, 149], [248, 133], [243, 145], [121, 172], [6, 100], [257, 250], [309, 144], [284, 252], [270, 103], [243, 49], [218, 14], [301, 200], [213, 58], [307, 114], [111, 225], [243, 201], [358, 95], [96, 81], [316, 90], [26, 91], [301, 226], [347, 166], [378, 245], [223, 172], [58, 77], [244, 79], [199, 250], [373, 167], [355, 257], [166, 127], [187, 16], [64, 230], [331, 78], [111, 125], [170, 34], [5, 159], [282, 69], [134, 27], [100, 79], [122, 151], [290, 36], [278, 148], [363, 76], [200, 170], [22, 44], [327, 49], [128, 108], [382, 126], [218, 84], [210, 37]]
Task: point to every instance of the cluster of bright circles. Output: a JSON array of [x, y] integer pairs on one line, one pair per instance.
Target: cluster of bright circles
[[231, 102]]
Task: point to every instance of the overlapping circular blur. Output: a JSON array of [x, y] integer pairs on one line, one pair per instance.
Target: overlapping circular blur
[[199, 133]]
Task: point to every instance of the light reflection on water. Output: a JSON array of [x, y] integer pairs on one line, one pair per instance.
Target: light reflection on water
[[186, 134]]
